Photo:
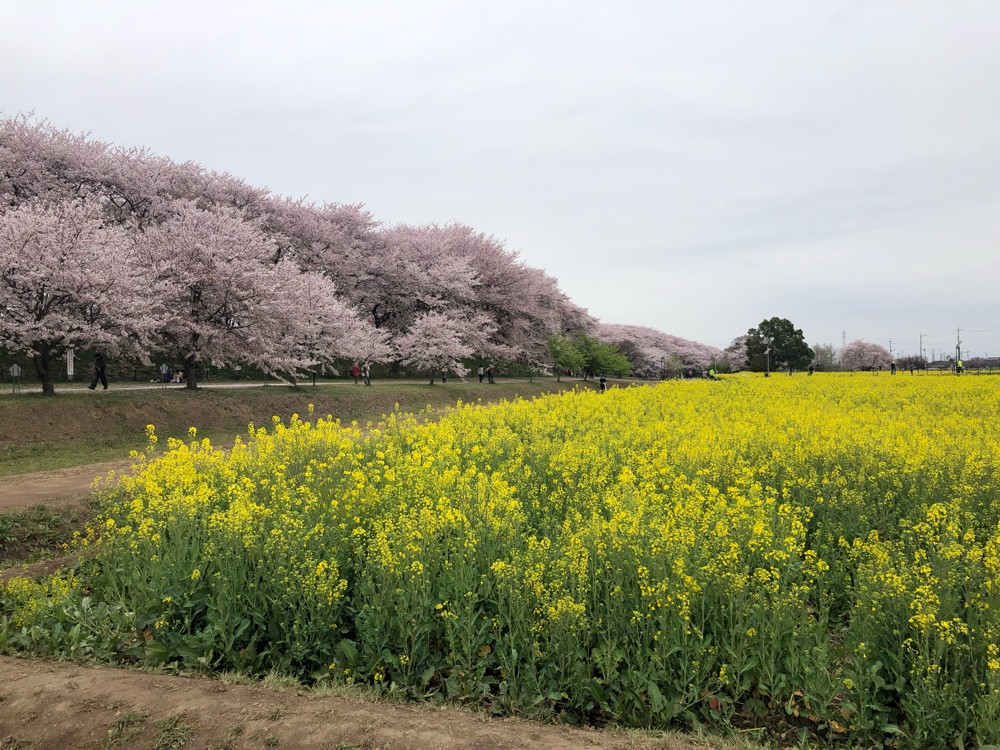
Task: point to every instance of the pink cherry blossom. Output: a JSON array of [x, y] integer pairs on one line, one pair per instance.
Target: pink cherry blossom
[[69, 281]]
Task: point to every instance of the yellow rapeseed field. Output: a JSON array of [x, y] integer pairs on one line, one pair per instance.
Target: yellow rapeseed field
[[810, 554]]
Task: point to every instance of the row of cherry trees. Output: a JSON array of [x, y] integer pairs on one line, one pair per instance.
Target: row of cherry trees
[[118, 249], [133, 254]]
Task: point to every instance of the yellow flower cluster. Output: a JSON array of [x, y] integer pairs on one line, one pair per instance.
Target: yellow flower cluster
[[27, 599], [836, 536]]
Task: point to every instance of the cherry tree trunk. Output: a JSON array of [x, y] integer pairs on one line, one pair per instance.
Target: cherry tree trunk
[[43, 368], [189, 373]]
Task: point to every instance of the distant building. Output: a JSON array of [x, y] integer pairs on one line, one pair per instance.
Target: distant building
[[941, 364]]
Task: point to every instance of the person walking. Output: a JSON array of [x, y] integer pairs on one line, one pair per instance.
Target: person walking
[[100, 368], [444, 374], [489, 374], [367, 373], [892, 365], [356, 372], [604, 384], [482, 372], [958, 369], [811, 368]]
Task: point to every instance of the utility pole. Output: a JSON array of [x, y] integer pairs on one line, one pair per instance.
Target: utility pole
[[890, 347], [920, 354], [843, 339], [958, 344]]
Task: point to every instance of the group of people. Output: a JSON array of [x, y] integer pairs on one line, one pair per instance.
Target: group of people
[[170, 376], [362, 371], [707, 374], [483, 373]]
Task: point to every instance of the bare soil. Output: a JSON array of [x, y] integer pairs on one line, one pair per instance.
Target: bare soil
[[60, 705], [56, 486]]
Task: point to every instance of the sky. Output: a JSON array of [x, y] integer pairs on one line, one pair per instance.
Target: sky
[[694, 167]]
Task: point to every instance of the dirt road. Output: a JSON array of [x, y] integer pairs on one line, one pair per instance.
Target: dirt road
[[54, 705], [57, 485]]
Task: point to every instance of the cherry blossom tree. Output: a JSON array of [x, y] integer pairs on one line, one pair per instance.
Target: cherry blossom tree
[[434, 342], [223, 297], [322, 327], [339, 241], [861, 355], [735, 355], [370, 345], [69, 281], [415, 271], [649, 346]]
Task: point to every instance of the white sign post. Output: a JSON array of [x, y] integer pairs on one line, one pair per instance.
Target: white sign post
[[69, 363], [15, 379]]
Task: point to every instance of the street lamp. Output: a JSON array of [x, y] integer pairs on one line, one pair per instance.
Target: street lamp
[[768, 340]]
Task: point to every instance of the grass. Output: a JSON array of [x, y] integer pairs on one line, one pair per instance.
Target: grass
[[44, 433], [17, 459], [28, 535]]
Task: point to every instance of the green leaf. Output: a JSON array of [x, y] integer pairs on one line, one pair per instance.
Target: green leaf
[[656, 700], [757, 706], [156, 653]]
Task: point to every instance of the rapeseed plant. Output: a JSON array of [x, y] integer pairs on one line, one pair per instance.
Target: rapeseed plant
[[817, 552]]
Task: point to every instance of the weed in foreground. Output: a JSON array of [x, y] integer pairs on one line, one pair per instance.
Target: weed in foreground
[[174, 732], [126, 730]]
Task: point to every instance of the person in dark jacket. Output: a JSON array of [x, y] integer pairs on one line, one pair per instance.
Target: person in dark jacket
[[100, 368]]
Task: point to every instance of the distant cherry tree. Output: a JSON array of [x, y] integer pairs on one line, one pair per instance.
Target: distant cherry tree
[[434, 342], [68, 281], [647, 347], [735, 355], [862, 355]]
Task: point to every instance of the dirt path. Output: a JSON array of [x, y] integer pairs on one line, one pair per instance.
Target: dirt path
[[59, 484], [47, 704]]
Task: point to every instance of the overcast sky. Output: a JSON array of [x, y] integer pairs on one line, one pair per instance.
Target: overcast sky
[[692, 166]]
